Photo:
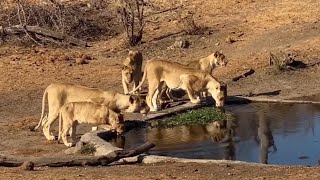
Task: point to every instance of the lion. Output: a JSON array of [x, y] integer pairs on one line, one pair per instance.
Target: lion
[[60, 93], [74, 113], [210, 62], [131, 70], [177, 76], [206, 64]]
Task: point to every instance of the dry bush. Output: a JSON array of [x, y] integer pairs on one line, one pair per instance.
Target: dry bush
[[285, 61], [164, 4], [189, 26], [78, 19], [131, 15], [48, 14]]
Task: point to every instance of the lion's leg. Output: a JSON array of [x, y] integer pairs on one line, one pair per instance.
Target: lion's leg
[[46, 128], [64, 131], [169, 94], [125, 86], [136, 81], [155, 99], [191, 95], [152, 91], [149, 103], [73, 133]]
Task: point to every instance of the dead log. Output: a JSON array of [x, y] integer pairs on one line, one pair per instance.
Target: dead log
[[35, 30], [246, 73], [77, 161]]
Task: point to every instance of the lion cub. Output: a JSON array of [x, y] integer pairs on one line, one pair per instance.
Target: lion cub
[[74, 113]]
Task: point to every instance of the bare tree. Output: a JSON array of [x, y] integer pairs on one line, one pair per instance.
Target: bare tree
[[131, 14]]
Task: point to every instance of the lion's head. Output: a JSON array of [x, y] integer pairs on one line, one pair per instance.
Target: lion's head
[[218, 91], [117, 122], [220, 59], [137, 104], [127, 74]]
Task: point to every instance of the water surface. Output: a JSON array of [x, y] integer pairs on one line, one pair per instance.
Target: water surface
[[286, 134]]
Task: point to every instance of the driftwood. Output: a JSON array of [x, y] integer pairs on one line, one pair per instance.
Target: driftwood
[[76, 161], [38, 31], [246, 73]]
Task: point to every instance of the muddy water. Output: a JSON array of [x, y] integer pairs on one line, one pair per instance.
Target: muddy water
[[265, 133]]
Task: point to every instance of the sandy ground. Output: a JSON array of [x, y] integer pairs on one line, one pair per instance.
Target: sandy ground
[[259, 27]]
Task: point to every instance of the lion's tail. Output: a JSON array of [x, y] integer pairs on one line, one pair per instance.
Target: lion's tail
[[45, 94], [142, 80]]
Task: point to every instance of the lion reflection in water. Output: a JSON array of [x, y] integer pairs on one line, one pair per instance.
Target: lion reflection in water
[[217, 131]]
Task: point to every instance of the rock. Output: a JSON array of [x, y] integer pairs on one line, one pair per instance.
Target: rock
[[86, 57], [27, 166], [180, 43], [81, 61], [103, 148], [74, 149], [230, 40]]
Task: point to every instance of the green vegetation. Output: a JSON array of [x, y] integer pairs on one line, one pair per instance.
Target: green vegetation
[[203, 115], [87, 149]]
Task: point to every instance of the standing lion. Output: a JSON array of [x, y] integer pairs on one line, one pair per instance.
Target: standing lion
[[132, 70]]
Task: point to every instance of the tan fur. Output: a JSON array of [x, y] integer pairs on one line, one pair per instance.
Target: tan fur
[[74, 113], [210, 62], [177, 76], [206, 64], [60, 93], [132, 70]]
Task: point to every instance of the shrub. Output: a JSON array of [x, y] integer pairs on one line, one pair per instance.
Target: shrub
[[196, 116], [88, 149]]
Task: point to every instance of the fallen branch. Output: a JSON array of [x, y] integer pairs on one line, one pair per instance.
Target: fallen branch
[[35, 30], [76, 161], [246, 73]]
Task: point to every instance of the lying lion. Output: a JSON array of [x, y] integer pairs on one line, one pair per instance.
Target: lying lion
[[177, 76], [60, 93], [131, 70], [74, 113]]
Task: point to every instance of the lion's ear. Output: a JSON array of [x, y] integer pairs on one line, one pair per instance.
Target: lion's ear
[[97, 100], [123, 67], [216, 54], [132, 99]]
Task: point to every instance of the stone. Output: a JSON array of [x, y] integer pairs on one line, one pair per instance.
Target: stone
[[180, 43], [27, 166]]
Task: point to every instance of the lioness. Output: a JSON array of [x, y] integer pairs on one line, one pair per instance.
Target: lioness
[[177, 76], [208, 63], [60, 93], [131, 70], [74, 113]]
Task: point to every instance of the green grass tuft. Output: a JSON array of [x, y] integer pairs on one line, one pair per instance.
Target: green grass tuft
[[87, 149], [203, 115]]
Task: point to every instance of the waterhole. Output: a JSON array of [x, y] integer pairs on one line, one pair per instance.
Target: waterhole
[[286, 134]]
